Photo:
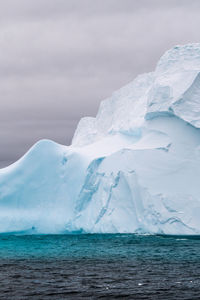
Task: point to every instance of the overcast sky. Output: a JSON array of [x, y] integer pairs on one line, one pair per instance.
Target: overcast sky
[[59, 58]]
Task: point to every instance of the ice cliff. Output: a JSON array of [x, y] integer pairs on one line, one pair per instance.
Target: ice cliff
[[134, 168]]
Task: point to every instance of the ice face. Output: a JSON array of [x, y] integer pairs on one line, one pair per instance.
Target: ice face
[[133, 168]]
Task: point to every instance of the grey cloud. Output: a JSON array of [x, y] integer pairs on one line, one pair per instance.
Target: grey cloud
[[59, 58], [18, 137], [32, 10]]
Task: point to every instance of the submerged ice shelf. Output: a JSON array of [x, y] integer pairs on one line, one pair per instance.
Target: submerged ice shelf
[[134, 168]]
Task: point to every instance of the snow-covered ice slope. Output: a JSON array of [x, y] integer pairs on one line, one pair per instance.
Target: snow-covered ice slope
[[133, 168]]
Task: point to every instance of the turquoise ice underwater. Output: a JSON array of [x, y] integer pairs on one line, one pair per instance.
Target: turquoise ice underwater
[[93, 266]]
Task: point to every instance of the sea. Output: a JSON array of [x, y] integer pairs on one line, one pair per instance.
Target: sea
[[99, 266]]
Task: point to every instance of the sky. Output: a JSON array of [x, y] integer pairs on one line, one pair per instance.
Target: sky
[[60, 58]]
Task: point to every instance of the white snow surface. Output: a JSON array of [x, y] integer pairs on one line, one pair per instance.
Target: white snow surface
[[135, 168]]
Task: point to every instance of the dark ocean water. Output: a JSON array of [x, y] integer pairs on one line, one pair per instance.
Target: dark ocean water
[[121, 266]]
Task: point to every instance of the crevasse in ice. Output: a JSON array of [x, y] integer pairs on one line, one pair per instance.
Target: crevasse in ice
[[134, 168]]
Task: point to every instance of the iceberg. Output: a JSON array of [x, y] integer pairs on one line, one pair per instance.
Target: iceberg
[[134, 168]]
